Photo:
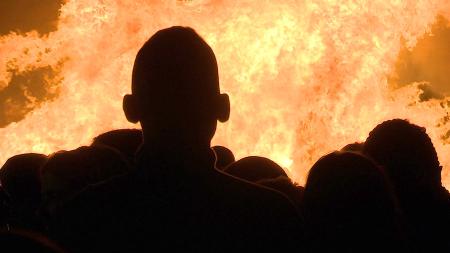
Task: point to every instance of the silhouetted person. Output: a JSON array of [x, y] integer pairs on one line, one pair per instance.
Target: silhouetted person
[[127, 141], [265, 172], [349, 207], [408, 156], [20, 179], [224, 157], [176, 199], [255, 168], [285, 185], [66, 173]]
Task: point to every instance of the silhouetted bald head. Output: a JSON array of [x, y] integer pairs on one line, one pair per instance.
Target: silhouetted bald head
[[175, 88], [345, 178], [127, 141], [348, 205], [224, 157], [175, 61], [255, 168]]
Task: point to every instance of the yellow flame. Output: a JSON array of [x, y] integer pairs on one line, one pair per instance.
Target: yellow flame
[[305, 77]]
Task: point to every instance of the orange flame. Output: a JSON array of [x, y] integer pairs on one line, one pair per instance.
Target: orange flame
[[305, 77]]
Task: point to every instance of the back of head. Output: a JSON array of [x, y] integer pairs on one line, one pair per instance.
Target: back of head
[[175, 89], [407, 154], [346, 180], [255, 168], [285, 185], [409, 158], [127, 141], [224, 157], [346, 198], [20, 176], [68, 172]]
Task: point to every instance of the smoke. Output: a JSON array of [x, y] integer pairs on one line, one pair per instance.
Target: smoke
[[25, 89], [26, 15], [427, 63]]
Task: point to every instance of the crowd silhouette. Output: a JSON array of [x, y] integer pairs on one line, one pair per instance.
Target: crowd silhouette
[[164, 187]]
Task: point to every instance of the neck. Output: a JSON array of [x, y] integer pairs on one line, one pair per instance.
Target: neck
[[177, 154], [175, 141], [171, 147]]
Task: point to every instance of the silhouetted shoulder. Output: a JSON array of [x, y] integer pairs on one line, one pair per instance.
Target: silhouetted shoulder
[[255, 168], [273, 215], [253, 192], [106, 216]]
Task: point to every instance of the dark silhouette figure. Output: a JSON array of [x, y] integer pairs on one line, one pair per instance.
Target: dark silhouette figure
[[66, 173], [407, 154], [224, 157], [348, 206], [176, 199], [255, 168], [127, 141], [20, 179], [265, 172], [284, 184]]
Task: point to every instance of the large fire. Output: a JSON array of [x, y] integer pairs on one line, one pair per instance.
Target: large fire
[[304, 77]]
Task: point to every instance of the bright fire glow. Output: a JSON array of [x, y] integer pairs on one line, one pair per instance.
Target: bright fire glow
[[304, 77]]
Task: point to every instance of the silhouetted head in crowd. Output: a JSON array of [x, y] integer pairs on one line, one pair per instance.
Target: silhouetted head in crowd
[[224, 157], [177, 193], [284, 184], [127, 141], [175, 91], [20, 178], [348, 204], [255, 168], [68, 172], [354, 147], [407, 154]]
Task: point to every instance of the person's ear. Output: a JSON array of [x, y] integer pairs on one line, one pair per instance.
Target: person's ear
[[131, 108], [223, 108]]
